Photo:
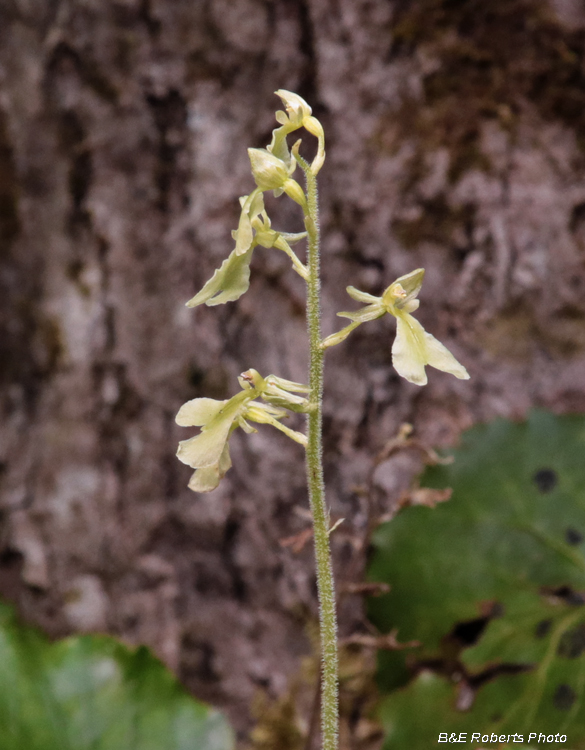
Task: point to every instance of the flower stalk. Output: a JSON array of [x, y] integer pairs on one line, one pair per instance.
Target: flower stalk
[[314, 461]]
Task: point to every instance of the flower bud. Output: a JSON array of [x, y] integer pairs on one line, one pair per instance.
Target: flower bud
[[314, 127], [295, 191], [269, 171]]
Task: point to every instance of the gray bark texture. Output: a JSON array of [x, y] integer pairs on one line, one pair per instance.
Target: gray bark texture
[[455, 141]]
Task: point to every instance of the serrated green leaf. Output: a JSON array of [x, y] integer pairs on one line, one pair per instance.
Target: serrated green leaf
[[497, 536], [414, 717], [93, 693], [510, 540]]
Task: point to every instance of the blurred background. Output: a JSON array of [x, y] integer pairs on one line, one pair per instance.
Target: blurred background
[[455, 136]]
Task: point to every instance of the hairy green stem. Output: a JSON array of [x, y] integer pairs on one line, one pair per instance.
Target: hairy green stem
[[325, 586]]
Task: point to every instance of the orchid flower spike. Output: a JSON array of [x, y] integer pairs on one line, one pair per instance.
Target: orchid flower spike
[[208, 453], [413, 347]]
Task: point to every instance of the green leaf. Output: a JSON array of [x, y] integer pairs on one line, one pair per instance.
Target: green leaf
[[93, 693], [511, 541], [228, 283], [414, 717]]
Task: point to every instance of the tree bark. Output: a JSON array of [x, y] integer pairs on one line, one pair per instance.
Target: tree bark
[[455, 141]]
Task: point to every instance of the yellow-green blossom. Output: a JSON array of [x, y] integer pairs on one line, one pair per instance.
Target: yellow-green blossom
[[298, 115], [208, 453], [413, 347]]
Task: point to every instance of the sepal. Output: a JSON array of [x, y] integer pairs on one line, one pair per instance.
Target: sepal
[[364, 297], [337, 338], [283, 393], [252, 205], [371, 312]]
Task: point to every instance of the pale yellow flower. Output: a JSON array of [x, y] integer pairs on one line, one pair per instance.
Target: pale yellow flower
[[208, 453], [298, 115], [413, 347]]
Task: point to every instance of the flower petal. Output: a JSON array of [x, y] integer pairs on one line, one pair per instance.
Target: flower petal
[[199, 411], [408, 350], [228, 283], [205, 449], [371, 312], [362, 296], [440, 357], [281, 117], [206, 480]]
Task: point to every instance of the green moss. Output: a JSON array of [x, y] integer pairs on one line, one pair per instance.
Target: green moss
[[493, 55], [277, 725], [492, 58]]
